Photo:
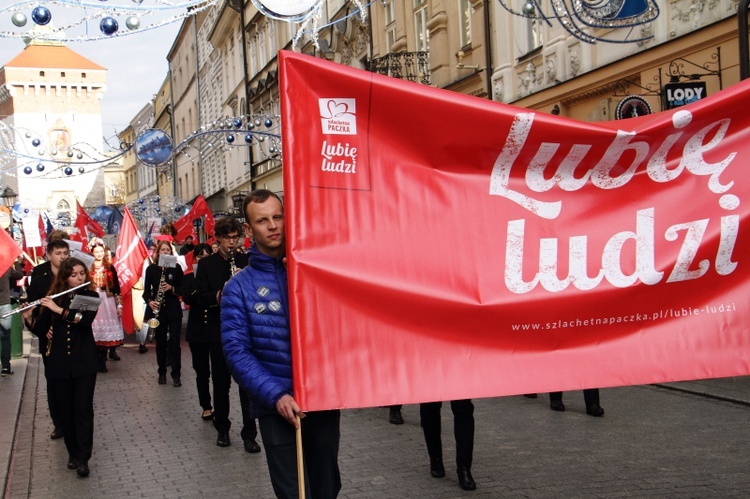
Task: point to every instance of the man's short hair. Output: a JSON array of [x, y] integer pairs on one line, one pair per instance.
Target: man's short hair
[[258, 196], [56, 244], [189, 237], [227, 225], [57, 234]]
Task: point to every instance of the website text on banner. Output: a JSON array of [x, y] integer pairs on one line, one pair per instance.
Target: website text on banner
[[443, 246]]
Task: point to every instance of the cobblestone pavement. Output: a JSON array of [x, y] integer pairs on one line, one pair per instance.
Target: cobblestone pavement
[[151, 442]]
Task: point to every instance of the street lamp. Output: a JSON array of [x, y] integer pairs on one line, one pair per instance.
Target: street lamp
[[9, 197]]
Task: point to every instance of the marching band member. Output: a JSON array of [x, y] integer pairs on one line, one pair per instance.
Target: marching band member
[[213, 272], [161, 290], [72, 360]]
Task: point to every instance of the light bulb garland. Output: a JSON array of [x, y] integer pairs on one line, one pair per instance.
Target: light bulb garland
[[578, 17]]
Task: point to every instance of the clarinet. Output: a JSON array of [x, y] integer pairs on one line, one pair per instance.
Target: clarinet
[[232, 264]]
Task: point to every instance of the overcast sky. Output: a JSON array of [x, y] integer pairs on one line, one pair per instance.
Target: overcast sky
[[136, 67]]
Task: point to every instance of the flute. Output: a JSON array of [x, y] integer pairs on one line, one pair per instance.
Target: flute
[[37, 302]]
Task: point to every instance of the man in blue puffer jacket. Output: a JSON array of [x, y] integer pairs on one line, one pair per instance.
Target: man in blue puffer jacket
[[256, 340]]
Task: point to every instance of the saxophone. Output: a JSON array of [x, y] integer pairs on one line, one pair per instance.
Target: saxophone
[[153, 322]]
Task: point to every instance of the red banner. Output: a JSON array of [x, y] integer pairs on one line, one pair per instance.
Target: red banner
[[442, 247], [131, 252]]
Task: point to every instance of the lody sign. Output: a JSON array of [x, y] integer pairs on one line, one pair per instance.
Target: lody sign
[[679, 94]]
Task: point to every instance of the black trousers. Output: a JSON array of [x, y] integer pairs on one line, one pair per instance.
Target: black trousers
[[590, 397], [320, 447], [54, 410], [75, 400], [463, 430], [169, 323], [205, 357]]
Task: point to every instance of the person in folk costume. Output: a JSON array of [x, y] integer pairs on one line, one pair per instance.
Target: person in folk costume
[[72, 359], [168, 312], [107, 326]]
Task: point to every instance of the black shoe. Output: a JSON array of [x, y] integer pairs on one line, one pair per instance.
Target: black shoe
[[142, 348], [557, 406], [595, 410], [162, 379], [437, 470], [208, 417], [223, 440], [530, 395], [395, 417], [57, 433], [251, 446], [83, 469], [176, 383], [103, 368], [73, 463], [6, 371], [465, 480], [113, 354]]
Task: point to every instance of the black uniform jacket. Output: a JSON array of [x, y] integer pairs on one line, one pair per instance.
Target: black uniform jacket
[[196, 332], [41, 281], [173, 277], [73, 351], [213, 271]]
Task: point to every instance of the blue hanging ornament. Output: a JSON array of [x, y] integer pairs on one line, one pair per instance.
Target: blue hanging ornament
[[40, 167], [68, 171], [230, 138], [140, 201], [237, 123], [41, 15], [36, 142], [27, 170], [268, 122], [109, 26], [248, 138]]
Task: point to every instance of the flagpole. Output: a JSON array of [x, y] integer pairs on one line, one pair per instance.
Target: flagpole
[[300, 460]]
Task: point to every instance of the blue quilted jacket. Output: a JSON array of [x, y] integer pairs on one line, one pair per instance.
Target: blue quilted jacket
[[255, 331]]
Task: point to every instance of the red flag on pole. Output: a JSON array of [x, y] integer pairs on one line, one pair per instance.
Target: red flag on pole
[[86, 225], [9, 251], [131, 252]]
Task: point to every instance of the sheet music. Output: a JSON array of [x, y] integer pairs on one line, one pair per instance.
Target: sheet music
[[87, 259], [85, 303], [167, 261]]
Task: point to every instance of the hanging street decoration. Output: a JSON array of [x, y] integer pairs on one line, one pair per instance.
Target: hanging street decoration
[[581, 17], [72, 20]]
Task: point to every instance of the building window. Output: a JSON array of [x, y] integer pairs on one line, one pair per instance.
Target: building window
[[533, 34], [390, 14], [62, 74], [41, 73], [420, 25], [464, 15], [83, 75], [390, 36]]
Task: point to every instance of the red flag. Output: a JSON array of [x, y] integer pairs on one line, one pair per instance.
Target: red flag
[[42, 231], [184, 225], [131, 252], [86, 225], [498, 250], [128, 321], [9, 251]]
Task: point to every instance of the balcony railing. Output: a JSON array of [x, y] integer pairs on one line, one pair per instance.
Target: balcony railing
[[412, 66]]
